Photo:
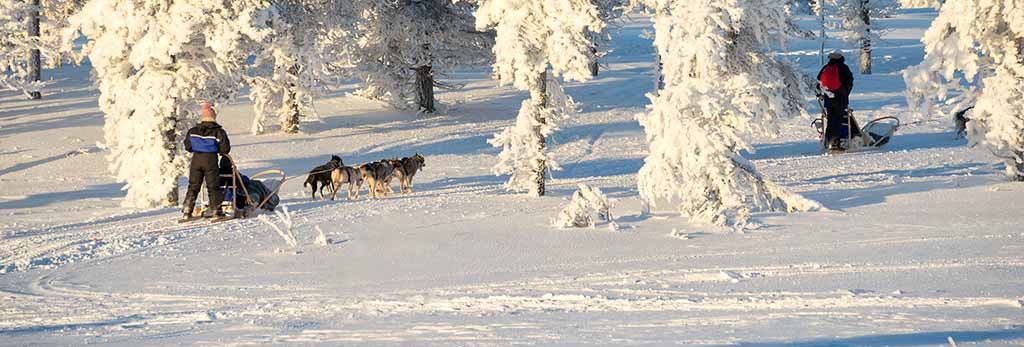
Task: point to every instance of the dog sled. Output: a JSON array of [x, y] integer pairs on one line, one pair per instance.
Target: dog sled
[[854, 138], [245, 196]]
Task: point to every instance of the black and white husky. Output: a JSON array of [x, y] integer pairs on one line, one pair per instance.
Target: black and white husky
[[321, 175]]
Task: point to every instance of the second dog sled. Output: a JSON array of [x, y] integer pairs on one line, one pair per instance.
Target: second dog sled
[[873, 135]]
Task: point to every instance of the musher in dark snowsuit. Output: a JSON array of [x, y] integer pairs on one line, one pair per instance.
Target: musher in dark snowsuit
[[205, 140], [839, 102]]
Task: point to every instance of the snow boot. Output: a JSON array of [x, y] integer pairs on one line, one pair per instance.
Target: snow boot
[[188, 217]]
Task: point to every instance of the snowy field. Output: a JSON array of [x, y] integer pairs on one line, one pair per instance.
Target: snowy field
[[920, 242]]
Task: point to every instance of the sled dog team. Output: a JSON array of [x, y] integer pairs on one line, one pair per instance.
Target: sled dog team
[[377, 175]]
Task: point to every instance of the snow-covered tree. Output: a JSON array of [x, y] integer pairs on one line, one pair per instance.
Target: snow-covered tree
[[610, 11], [533, 36], [855, 21], [721, 86], [979, 41], [154, 61], [403, 44], [30, 39], [292, 67]]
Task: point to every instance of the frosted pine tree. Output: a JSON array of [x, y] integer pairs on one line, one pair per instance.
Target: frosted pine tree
[[27, 46], [154, 61], [403, 44], [533, 36], [857, 24], [291, 68], [21, 47], [14, 47], [979, 41], [720, 87]]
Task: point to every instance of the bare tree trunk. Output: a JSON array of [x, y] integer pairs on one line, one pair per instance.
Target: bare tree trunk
[[540, 100], [34, 59], [865, 42], [290, 103], [425, 88]]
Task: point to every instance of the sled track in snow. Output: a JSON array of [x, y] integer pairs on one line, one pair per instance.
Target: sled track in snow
[[61, 245], [60, 303]]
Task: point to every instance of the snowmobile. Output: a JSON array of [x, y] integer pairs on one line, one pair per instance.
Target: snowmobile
[[874, 135], [256, 194]]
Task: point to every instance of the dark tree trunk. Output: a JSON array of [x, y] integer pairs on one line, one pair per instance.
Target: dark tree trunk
[[865, 43], [1017, 154], [292, 111], [659, 76], [34, 59], [171, 141], [540, 103], [593, 65], [425, 88]]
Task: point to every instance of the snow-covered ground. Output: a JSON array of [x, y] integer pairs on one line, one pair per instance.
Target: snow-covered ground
[[921, 241]]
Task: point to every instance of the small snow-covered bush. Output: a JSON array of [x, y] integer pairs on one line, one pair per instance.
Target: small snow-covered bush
[[588, 207], [285, 217]]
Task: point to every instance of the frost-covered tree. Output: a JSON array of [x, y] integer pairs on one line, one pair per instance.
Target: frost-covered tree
[[403, 44], [154, 61], [855, 21], [533, 36], [30, 39], [610, 11], [721, 85], [292, 67], [979, 41]]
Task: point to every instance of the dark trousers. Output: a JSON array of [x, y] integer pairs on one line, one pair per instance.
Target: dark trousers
[[204, 168], [835, 122]]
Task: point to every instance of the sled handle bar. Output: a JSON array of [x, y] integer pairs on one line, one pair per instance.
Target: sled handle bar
[[877, 120]]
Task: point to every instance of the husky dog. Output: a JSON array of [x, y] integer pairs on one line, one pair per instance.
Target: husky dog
[[407, 169], [376, 174], [322, 175], [396, 165], [346, 174]]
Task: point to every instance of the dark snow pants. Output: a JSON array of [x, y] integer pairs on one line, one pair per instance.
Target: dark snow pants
[[835, 127], [203, 168]]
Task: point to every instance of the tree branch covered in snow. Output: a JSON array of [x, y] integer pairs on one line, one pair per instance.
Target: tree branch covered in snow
[[720, 87], [980, 42]]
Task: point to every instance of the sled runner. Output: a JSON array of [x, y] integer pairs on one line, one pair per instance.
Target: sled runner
[[874, 135], [245, 196]]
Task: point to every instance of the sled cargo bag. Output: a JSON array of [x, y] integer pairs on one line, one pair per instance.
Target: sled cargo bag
[[229, 191]]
